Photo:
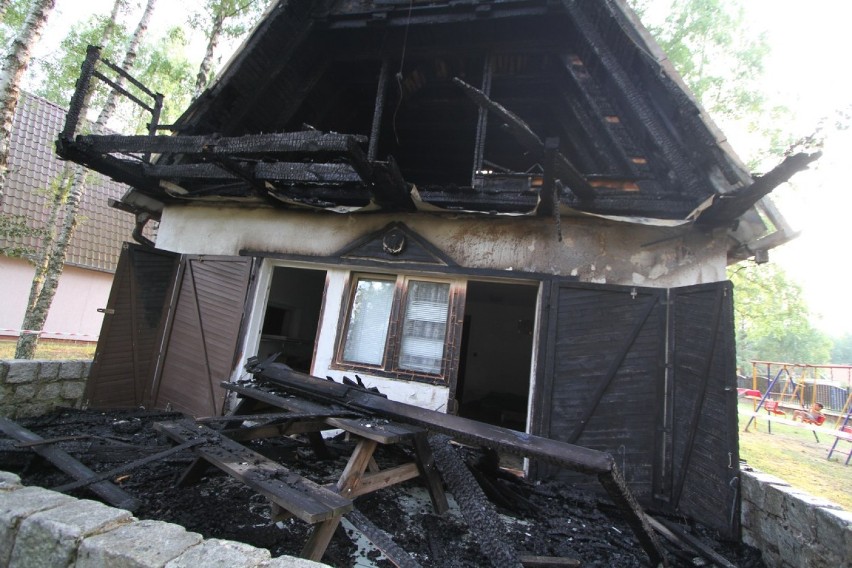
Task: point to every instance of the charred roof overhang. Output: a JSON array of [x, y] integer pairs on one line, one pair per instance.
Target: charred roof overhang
[[515, 106]]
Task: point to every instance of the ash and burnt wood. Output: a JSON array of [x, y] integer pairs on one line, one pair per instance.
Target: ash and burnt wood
[[303, 498], [106, 490], [574, 458]]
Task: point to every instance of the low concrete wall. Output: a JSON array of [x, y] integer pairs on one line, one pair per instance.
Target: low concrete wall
[[35, 387], [40, 528], [793, 529]]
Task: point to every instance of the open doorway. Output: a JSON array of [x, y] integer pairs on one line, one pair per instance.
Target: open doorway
[[497, 341], [292, 316]]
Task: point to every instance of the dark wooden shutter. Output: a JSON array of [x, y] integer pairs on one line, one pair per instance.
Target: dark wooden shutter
[[604, 370], [203, 333], [704, 443], [605, 386], [122, 372]]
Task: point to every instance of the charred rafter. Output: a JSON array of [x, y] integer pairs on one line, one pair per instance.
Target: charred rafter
[[525, 136]]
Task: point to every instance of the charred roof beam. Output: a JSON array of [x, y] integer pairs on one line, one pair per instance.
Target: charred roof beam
[[563, 168], [643, 113]]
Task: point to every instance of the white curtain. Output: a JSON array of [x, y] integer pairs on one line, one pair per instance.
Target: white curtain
[[367, 331], [425, 327]]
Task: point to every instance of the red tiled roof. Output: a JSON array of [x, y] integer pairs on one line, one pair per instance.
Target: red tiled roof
[[34, 168]]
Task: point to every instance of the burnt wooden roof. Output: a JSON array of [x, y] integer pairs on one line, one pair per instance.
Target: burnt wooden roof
[[486, 106]]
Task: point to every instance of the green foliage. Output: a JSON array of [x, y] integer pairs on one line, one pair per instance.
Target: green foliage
[[14, 231], [12, 20], [59, 72], [721, 59], [772, 318], [238, 16], [841, 353]]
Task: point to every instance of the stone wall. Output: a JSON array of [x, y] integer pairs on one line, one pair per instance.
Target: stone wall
[[43, 528], [34, 387], [793, 529]]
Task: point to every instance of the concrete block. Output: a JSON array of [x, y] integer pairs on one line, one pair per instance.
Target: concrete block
[[834, 531], [25, 392], [73, 390], [217, 553], [146, 544], [49, 392], [48, 370], [51, 537], [72, 370], [30, 410], [291, 562], [777, 497], [754, 484], [22, 372], [9, 481], [15, 506], [4, 370]]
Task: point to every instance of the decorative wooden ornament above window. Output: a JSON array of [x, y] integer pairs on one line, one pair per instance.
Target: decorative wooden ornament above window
[[396, 243]]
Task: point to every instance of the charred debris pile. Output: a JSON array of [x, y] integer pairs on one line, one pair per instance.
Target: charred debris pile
[[265, 476]]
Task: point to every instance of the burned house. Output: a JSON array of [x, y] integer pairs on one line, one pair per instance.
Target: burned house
[[508, 210]]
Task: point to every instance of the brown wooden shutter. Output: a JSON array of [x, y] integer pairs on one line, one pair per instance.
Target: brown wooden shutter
[[202, 334], [122, 372]]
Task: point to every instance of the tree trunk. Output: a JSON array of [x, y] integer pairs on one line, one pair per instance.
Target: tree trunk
[[203, 77], [10, 77], [52, 262], [126, 65]]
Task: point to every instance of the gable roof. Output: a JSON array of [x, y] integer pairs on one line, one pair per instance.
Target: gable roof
[[33, 168], [504, 106]]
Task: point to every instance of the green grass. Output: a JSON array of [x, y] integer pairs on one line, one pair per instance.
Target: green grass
[[793, 454], [51, 349]]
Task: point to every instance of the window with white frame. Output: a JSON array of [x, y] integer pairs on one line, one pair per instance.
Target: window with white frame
[[415, 311]]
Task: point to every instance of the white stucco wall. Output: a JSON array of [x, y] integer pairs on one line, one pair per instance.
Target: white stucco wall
[[73, 314], [591, 250]]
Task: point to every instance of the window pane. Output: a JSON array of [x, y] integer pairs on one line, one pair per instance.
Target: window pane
[[368, 322], [425, 327]]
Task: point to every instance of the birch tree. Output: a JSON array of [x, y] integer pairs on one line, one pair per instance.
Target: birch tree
[[52, 261], [10, 76], [221, 20]]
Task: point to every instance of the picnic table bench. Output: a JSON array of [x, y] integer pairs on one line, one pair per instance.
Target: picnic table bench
[[301, 497]]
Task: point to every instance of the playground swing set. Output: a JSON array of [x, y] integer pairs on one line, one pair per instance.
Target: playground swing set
[[786, 391]]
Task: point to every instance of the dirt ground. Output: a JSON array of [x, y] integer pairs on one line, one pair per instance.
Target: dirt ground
[[545, 519]]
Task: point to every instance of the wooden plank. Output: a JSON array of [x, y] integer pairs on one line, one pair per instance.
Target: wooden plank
[[381, 431], [107, 491], [356, 466], [302, 497], [284, 142], [274, 430], [531, 561], [426, 465], [370, 482]]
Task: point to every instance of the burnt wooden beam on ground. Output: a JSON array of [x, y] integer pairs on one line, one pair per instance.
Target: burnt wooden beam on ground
[[381, 540], [574, 458], [107, 491]]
